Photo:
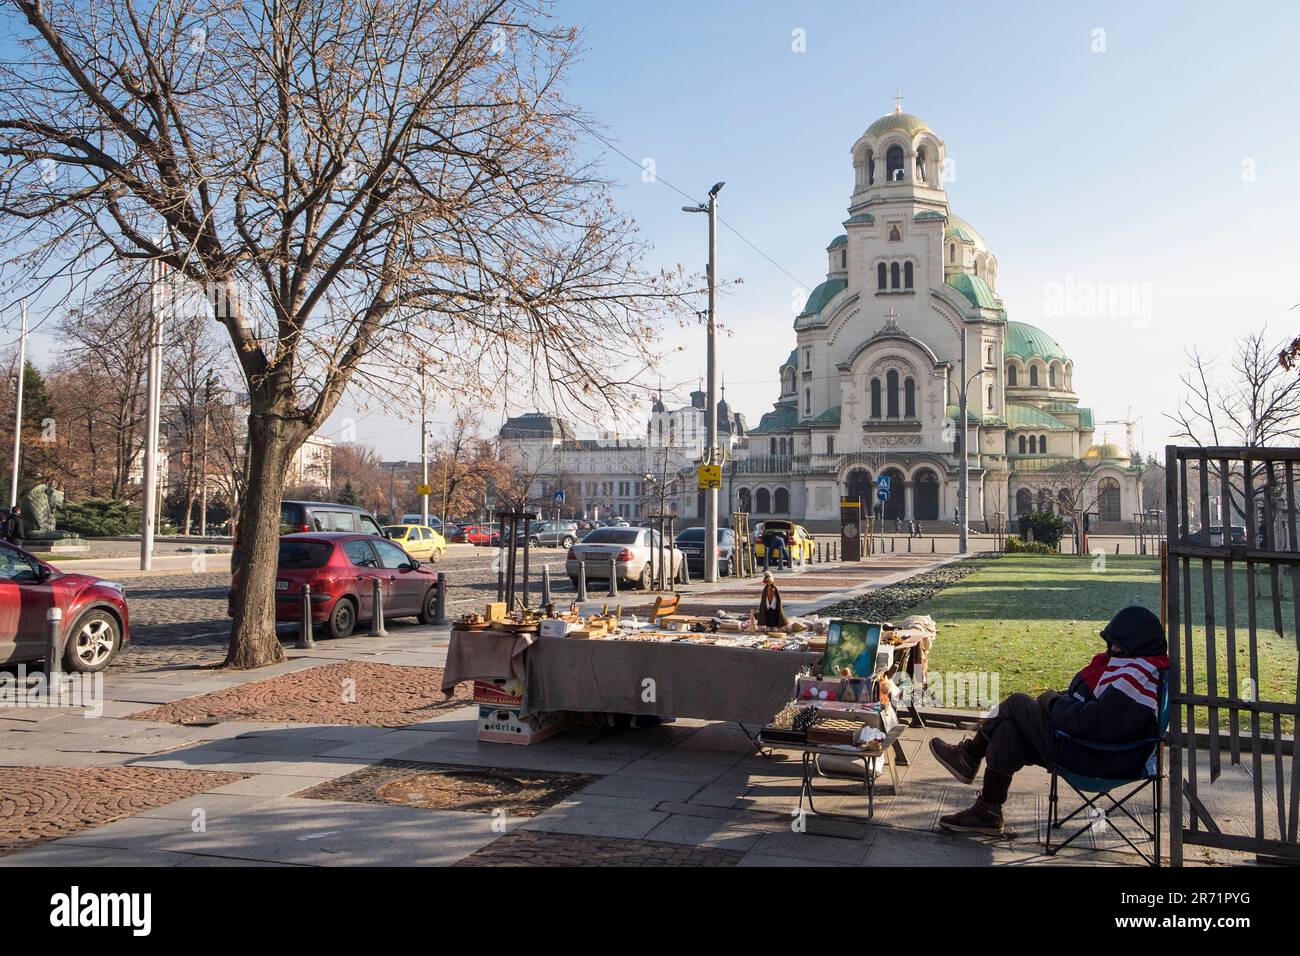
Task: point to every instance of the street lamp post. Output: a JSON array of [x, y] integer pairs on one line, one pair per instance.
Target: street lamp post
[[711, 400], [963, 481]]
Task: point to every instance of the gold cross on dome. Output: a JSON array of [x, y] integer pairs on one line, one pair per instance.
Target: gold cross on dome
[[898, 100]]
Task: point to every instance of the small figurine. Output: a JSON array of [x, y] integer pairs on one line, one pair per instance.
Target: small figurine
[[770, 611]]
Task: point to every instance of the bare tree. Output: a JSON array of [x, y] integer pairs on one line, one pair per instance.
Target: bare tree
[[349, 180], [1253, 403]]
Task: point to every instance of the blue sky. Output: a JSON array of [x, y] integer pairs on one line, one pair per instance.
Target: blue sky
[[1168, 160]]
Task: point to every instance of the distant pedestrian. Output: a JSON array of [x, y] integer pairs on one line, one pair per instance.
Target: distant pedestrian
[[898, 524], [14, 531]]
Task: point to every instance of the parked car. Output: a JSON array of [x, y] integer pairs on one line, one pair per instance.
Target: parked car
[[296, 516], [1214, 536], [691, 543], [550, 534], [482, 534], [797, 539], [419, 541], [434, 521], [95, 620], [635, 552], [341, 569]]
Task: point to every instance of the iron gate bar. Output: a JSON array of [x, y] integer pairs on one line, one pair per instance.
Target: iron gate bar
[[1259, 475]]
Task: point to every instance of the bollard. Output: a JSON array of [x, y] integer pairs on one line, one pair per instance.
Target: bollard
[[891, 546], [440, 608], [1116, 549], [53, 647], [767, 559], [501, 584], [613, 578], [582, 581], [835, 550], [305, 641], [819, 552], [377, 628], [909, 544], [932, 545], [526, 581], [546, 585], [686, 570]]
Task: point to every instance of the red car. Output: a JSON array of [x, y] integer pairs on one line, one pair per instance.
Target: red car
[[341, 569], [482, 534], [95, 622]]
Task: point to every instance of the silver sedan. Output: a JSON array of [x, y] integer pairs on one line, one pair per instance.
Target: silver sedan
[[635, 552]]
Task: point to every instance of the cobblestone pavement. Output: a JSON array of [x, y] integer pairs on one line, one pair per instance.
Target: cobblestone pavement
[[45, 803], [526, 848], [349, 692]]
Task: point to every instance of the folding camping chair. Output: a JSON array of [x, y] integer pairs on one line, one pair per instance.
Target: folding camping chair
[[1098, 787]]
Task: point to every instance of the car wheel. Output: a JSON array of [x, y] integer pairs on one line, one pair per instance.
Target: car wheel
[[92, 642], [436, 555], [567, 543], [646, 580], [343, 619], [534, 543], [429, 609]]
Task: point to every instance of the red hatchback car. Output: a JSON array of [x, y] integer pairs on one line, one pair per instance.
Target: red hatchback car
[[95, 623], [341, 569]]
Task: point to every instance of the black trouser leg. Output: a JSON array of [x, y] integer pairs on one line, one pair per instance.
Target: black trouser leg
[[1018, 736]]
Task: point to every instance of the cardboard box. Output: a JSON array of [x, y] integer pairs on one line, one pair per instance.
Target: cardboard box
[[499, 692], [504, 725]]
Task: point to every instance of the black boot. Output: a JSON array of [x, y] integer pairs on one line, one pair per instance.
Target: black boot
[[985, 815], [955, 759]]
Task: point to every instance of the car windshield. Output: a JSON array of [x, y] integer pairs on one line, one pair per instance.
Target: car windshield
[[396, 530], [304, 554], [613, 536], [691, 534]]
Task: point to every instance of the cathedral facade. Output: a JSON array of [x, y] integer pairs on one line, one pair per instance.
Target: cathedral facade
[[872, 385]]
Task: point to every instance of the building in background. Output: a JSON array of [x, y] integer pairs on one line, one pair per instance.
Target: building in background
[[609, 475], [872, 385]]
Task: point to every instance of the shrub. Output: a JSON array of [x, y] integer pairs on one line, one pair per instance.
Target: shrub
[[1016, 545], [99, 518], [1047, 527]]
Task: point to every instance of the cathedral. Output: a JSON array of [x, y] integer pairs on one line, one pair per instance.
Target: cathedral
[[872, 385]]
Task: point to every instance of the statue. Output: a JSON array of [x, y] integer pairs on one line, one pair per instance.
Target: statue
[[39, 504]]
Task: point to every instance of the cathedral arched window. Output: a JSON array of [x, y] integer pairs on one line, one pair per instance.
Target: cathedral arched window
[[909, 399], [781, 502], [1042, 444], [881, 272], [844, 259], [762, 502], [894, 164], [1033, 376], [920, 166], [807, 401], [1011, 375], [989, 406], [871, 167], [1022, 444], [891, 394], [1033, 444], [893, 275], [875, 398], [907, 275], [772, 448], [952, 252], [1051, 376]]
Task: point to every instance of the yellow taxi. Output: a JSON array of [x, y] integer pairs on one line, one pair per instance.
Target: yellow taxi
[[417, 540], [797, 539]]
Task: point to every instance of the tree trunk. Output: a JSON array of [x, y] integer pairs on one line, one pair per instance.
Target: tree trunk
[[253, 642]]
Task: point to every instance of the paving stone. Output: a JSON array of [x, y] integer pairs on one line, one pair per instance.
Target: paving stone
[[699, 831], [529, 848]]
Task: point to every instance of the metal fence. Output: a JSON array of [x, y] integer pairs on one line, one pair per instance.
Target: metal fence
[[1244, 559]]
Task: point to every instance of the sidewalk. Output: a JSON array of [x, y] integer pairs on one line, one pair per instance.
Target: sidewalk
[[343, 756]]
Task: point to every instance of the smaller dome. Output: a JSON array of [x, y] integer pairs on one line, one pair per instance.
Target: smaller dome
[[903, 122], [838, 241], [1107, 451], [1025, 341], [959, 228]]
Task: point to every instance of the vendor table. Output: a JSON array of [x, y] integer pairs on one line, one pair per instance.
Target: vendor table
[[891, 751], [682, 678]]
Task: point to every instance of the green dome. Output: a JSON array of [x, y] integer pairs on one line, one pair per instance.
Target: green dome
[[959, 228], [1030, 416], [838, 241], [904, 122], [975, 289], [1028, 341], [823, 294]]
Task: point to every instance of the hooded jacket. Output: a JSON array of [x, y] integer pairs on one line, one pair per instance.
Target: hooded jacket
[[1115, 699]]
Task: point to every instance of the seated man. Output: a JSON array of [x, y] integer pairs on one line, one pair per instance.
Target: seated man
[[1115, 699]]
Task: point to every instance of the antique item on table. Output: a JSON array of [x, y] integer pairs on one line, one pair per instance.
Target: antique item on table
[[851, 645], [770, 611], [496, 611]]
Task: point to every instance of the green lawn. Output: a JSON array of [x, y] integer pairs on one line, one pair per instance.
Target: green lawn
[[1033, 620]]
